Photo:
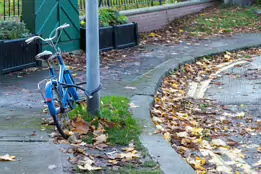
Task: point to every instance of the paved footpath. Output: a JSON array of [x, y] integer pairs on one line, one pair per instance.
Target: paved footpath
[[21, 105]]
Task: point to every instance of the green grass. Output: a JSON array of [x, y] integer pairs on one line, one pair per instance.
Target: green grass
[[116, 109], [124, 170], [135, 171], [150, 163], [225, 19]]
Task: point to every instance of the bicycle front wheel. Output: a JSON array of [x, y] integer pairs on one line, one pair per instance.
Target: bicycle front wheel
[[61, 117]]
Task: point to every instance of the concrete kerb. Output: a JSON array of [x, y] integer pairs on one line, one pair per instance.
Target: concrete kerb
[[159, 149], [163, 7]]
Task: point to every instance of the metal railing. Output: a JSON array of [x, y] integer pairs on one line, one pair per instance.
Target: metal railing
[[10, 9], [122, 4], [13, 8]]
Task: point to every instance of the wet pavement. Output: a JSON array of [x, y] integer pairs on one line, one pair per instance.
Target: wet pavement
[[21, 105], [238, 89]]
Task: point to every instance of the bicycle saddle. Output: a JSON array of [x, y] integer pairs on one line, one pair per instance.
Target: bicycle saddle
[[45, 55]]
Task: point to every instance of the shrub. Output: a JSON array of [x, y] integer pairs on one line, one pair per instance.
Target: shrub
[[171, 1], [109, 17], [13, 30]]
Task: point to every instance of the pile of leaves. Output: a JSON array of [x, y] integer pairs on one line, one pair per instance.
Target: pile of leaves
[[200, 130], [85, 136], [107, 142], [217, 21]]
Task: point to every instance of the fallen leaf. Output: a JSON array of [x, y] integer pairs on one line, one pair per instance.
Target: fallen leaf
[[74, 139], [156, 119], [100, 139], [52, 166], [182, 134], [128, 156], [218, 142], [113, 162], [196, 131], [159, 127], [7, 158], [257, 163], [167, 136], [130, 87], [132, 105], [80, 125], [88, 167], [128, 149], [8, 118]]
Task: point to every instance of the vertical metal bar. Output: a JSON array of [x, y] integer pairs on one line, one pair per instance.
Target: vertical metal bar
[[9, 5], [4, 10], [93, 56], [14, 7], [160, 2], [18, 5], [125, 4]]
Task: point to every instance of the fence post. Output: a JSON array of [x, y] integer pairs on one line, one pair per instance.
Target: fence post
[[160, 2]]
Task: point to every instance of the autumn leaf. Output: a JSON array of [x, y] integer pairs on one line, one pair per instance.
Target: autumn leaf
[[218, 142], [196, 131], [52, 166], [88, 167], [7, 157], [159, 127], [167, 136], [100, 139], [156, 120], [128, 156], [128, 149], [80, 125], [113, 162], [182, 134]]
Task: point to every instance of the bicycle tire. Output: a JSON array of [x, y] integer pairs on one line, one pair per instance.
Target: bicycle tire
[[55, 117], [59, 128]]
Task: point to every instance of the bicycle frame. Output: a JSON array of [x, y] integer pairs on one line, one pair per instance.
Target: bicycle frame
[[64, 86], [65, 93]]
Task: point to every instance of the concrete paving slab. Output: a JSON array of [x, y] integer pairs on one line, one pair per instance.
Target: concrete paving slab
[[32, 158], [159, 149]]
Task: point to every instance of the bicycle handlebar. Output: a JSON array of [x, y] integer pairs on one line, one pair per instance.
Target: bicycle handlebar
[[31, 39]]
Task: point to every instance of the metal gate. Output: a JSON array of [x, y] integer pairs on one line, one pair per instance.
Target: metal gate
[[42, 16]]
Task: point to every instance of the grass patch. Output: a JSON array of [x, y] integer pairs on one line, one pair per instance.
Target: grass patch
[[150, 163], [225, 19], [123, 127], [124, 170], [135, 171]]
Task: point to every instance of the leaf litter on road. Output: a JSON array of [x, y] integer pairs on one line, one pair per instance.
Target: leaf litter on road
[[79, 130], [200, 130]]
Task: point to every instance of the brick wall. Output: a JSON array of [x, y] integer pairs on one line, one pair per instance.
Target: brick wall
[[156, 20]]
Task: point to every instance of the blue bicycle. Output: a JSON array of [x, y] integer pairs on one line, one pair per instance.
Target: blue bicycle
[[61, 93]]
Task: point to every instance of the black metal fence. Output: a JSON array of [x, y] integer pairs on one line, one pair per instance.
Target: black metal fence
[[13, 8], [10, 9], [123, 4]]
